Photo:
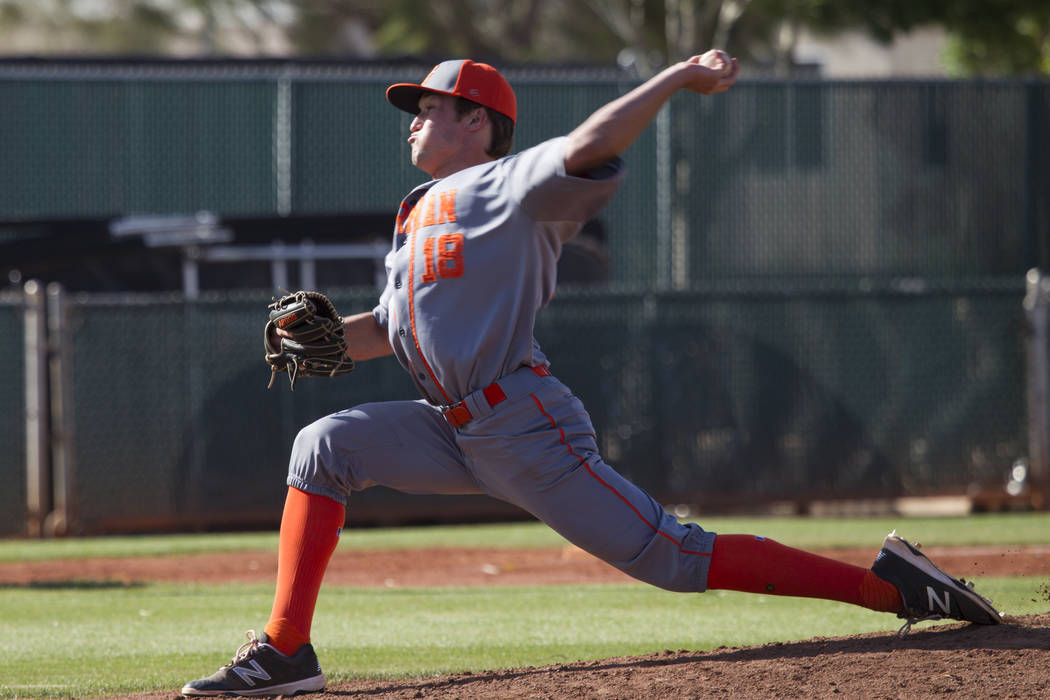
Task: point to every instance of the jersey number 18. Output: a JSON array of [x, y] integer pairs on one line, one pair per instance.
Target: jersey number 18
[[443, 257]]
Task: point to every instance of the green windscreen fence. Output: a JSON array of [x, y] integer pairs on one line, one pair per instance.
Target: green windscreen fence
[[191, 436], [735, 397], [103, 147], [774, 178], [720, 398], [939, 179]]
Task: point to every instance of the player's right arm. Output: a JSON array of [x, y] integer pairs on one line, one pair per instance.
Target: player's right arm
[[612, 128], [365, 337]]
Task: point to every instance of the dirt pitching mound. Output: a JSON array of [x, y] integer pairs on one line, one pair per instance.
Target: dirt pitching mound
[[1011, 660], [961, 661]]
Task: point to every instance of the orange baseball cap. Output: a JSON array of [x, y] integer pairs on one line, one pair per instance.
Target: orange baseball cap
[[477, 82]]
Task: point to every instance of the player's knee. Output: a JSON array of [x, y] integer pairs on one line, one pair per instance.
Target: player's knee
[[323, 453], [312, 459], [309, 441]]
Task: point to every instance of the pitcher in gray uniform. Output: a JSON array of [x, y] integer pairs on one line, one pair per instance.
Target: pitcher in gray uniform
[[472, 261]]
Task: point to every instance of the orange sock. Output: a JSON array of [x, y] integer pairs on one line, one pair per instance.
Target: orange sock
[[310, 528], [759, 565]]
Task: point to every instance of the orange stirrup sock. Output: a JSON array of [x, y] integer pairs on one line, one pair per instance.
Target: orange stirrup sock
[[310, 530], [759, 565]]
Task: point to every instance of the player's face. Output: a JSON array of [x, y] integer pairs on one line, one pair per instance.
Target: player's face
[[437, 136]]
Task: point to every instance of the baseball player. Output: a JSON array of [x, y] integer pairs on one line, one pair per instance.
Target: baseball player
[[472, 262]]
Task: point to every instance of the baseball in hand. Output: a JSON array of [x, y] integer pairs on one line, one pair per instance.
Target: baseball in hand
[[717, 59]]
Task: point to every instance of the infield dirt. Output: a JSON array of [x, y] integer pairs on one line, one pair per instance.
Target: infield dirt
[[1011, 660]]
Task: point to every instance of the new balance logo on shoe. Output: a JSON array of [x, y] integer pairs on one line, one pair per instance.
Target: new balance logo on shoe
[[932, 600], [248, 675]]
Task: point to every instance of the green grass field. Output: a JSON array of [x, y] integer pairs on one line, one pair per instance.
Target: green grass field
[[97, 638]]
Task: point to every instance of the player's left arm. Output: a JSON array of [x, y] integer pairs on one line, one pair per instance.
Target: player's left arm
[[365, 338], [614, 127]]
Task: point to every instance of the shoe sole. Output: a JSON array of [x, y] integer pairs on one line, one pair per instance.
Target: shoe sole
[[308, 685], [911, 555]]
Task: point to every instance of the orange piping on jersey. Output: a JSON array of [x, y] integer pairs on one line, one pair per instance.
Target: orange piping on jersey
[[412, 316], [601, 481]]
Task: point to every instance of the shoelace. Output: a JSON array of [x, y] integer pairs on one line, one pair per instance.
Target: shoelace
[[906, 627], [245, 650]]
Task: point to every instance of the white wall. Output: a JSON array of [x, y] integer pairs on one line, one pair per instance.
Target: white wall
[[853, 55]]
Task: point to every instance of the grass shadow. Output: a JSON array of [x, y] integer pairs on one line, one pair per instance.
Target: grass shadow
[[75, 584]]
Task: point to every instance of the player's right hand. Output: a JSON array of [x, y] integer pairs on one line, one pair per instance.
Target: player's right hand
[[709, 74]]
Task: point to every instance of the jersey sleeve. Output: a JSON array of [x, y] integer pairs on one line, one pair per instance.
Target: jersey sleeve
[[538, 180]]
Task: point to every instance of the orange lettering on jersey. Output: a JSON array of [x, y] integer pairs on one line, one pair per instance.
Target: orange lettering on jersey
[[428, 262], [447, 213], [429, 210], [442, 258], [450, 255], [402, 214], [412, 220], [427, 204]]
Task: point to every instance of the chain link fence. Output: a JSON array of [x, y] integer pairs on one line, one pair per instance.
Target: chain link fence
[[721, 399]]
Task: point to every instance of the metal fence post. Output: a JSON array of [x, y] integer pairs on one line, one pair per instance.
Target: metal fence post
[[38, 448], [664, 200], [1037, 311], [62, 518]]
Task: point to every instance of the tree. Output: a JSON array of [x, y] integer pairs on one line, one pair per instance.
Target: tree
[[152, 27], [988, 36], [1014, 42]]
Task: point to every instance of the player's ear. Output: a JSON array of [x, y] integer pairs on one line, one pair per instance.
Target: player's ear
[[477, 119]]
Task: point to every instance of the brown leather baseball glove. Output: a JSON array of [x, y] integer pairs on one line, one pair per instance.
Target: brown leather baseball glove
[[316, 348]]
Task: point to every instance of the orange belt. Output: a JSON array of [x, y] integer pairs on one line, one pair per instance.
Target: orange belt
[[459, 415]]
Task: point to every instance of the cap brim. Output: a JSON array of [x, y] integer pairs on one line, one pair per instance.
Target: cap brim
[[405, 96]]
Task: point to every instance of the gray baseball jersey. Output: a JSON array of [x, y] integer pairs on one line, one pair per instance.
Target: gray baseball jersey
[[473, 260], [481, 249]]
